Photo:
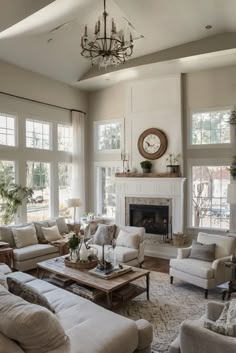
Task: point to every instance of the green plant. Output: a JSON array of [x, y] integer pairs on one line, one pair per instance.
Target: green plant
[[146, 164], [12, 196], [173, 159], [232, 170], [73, 242], [232, 118]]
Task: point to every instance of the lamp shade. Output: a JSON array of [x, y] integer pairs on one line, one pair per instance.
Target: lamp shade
[[73, 203], [231, 194]]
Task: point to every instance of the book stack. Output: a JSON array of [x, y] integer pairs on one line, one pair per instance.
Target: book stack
[[85, 291], [59, 281]]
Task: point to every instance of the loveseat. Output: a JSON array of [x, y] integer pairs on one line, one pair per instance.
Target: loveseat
[[129, 241], [195, 338], [89, 327], [26, 257]]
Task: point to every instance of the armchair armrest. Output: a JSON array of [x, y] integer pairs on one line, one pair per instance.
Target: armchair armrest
[[183, 252], [194, 338], [213, 311], [216, 263]]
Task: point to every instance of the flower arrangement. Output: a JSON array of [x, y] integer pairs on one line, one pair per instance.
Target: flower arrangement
[[173, 159], [232, 118]]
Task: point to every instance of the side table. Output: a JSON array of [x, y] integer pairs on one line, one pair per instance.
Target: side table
[[232, 284], [6, 256]]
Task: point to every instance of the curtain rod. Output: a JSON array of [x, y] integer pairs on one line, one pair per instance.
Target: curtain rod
[[48, 104]]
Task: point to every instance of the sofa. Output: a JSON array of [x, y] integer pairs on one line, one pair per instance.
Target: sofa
[[26, 258], [89, 327], [204, 274], [129, 248], [195, 338]]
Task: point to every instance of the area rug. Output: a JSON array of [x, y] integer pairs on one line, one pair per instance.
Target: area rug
[[169, 305]]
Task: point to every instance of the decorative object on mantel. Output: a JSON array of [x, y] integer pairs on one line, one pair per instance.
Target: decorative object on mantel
[[232, 168], [125, 159], [106, 49], [152, 143], [173, 164], [232, 118], [146, 166], [146, 175]]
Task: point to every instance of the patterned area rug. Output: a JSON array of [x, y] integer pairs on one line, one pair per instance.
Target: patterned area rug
[[169, 305]]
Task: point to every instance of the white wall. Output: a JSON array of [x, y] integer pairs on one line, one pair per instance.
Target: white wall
[[142, 104]]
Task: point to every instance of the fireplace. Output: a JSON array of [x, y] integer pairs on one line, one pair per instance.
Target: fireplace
[[154, 218]]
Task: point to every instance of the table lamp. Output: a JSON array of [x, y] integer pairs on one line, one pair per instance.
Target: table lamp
[[74, 203]]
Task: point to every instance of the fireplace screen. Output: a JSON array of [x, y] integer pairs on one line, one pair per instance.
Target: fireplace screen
[[154, 218]]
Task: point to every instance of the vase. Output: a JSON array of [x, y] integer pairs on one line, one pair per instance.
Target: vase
[[83, 252], [73, 255]]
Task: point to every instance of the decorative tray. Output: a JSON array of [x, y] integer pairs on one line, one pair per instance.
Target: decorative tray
[[80, 264]]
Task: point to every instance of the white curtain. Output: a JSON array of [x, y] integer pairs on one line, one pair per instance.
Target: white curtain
[[78, 167]]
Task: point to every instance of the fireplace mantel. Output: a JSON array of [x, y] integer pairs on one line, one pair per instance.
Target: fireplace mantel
[[153, 188]]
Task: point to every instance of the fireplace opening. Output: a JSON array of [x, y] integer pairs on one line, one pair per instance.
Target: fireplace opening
[[154, 218]]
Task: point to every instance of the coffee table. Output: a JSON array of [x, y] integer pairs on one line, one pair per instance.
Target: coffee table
[[111, 288]]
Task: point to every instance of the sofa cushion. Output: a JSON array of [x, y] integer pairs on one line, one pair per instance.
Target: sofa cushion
[[104, 234], [25, 236], [38, 227], [4, 269], [124, 254], [51, 233], [129, 240], [62, 226], [35, 328], [33, 251], [199, 268], [3, 280], [8, 346], [200, 251], [28, 293], [6, 235]]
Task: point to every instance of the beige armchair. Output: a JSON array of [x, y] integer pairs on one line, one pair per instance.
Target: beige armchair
[[194, 338], [204, 274]]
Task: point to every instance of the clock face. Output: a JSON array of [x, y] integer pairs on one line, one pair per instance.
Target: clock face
[[152, 143]]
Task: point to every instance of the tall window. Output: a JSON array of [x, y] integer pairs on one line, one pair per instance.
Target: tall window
[[64, 175], [7, 130], [210, 127], [108, 136], [106, 196], [7, 176], [38, 178], [38, 134], [64, 133], [209, 195]]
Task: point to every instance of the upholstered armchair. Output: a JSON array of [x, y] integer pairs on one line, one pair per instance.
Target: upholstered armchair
[[194, 338], [204, 274]]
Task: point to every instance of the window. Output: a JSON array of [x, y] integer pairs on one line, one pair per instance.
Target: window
[[38, 134], [64, 138], [106, 197], [209, 195], [38, 178], [210, 127], [64, 175], [7, 130], [108, 136], [7, 176]]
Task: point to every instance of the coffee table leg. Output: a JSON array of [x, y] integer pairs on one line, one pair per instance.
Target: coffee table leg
[[109, 300], [147, 285]]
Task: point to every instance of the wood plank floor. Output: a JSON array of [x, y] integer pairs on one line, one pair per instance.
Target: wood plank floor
[[156, 264]]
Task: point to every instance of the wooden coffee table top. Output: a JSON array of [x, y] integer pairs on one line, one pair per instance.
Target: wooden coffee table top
[[82, 276]]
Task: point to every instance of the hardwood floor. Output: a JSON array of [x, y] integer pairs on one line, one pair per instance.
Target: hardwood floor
[[156, 264]]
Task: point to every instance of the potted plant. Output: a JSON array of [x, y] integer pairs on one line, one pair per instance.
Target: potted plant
[[173, 163], [232, 168], [73, 244], [12, 197], [146, 166], [232, 118]]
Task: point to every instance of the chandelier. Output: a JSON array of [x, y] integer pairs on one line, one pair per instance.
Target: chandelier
[[106, 49]]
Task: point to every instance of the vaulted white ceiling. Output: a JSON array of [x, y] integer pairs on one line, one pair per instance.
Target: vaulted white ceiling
[[44, 36]]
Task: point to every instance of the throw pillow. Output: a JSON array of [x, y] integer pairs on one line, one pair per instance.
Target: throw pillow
[[8, 346], [25, 236], [38, 227], [28, 293], [204, 252], [3, 280], [62, 226], [129, 240], [7, 236], [104, 234], [33, 327], [51, 233], [231, 319]]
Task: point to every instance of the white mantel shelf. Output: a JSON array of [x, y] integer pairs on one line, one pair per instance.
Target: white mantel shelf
[[169, 188]]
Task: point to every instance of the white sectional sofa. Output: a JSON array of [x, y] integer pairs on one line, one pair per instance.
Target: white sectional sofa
[[89, 327]]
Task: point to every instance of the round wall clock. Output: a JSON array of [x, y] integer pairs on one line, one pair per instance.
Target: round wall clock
[[152, 143]]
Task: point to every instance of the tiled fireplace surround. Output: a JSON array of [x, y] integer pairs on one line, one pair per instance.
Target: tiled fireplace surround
[[152, 191]]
